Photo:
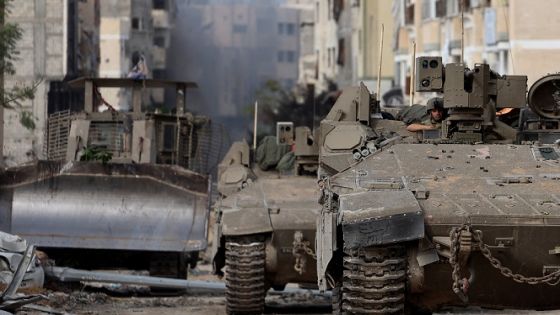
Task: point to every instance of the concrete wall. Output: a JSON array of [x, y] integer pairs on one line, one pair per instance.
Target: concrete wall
[[42, 56], [535, 39]]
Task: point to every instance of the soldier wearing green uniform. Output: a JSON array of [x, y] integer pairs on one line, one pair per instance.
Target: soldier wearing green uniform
[[434, 108]]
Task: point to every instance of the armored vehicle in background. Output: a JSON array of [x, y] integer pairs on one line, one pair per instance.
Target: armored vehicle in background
[[265, 228], [115, 182], [467, 214]]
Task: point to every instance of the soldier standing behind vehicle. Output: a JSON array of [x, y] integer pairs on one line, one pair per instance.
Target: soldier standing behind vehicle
[[435, 109]]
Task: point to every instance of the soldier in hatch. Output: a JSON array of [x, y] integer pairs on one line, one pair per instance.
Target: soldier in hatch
[[436, 114]]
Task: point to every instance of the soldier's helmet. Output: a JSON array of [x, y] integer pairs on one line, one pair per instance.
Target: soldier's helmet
[[434, 102]]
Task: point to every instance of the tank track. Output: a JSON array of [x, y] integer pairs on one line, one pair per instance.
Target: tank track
[[374, 281], [245, 276]]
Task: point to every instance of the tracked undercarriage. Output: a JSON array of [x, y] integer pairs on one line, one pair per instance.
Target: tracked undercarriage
[[265, 227], [245, 278]]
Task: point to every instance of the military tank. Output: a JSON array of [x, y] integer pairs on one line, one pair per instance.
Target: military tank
[[119, 188], [265, 227], [465, 214]]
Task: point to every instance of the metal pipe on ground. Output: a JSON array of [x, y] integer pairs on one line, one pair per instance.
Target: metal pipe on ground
[[65, 274]]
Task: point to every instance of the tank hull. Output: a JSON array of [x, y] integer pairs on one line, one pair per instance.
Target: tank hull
[[508, 192]]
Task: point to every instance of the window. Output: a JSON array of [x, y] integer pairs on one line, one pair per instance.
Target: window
[[280, 28], [409, 14], [239, 28], [338, 7], [444, 6], [159, 41], [136, 24], [290, 28], [159, 4], [341, 57], [290, 56], [281, 56]]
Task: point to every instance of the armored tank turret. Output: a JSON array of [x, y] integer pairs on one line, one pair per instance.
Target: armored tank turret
[[465, 215]]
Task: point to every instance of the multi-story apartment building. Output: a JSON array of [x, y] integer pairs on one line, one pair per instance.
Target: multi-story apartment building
[[59, 42], [371, 15], [326, 43], [514, 37], [347, 38], [132, 28]]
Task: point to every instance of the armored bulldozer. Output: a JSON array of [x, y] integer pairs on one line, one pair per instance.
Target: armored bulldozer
[[265, 226], [119, 187], [464, 214]]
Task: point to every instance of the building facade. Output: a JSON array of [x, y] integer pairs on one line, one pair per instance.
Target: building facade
[[347, 39], [130, 29], [514, 37], [59, 41]]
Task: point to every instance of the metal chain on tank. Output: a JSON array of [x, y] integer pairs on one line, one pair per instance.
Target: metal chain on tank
[[299, 249], [460, 284], [550, 279]]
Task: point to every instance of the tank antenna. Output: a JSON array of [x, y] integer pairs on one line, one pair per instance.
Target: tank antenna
[[255, 125], [462, 31], [413, 73], [380, 62]]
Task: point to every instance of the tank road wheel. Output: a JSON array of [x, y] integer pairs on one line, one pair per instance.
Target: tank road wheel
[[374, 280], [245, 270]]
